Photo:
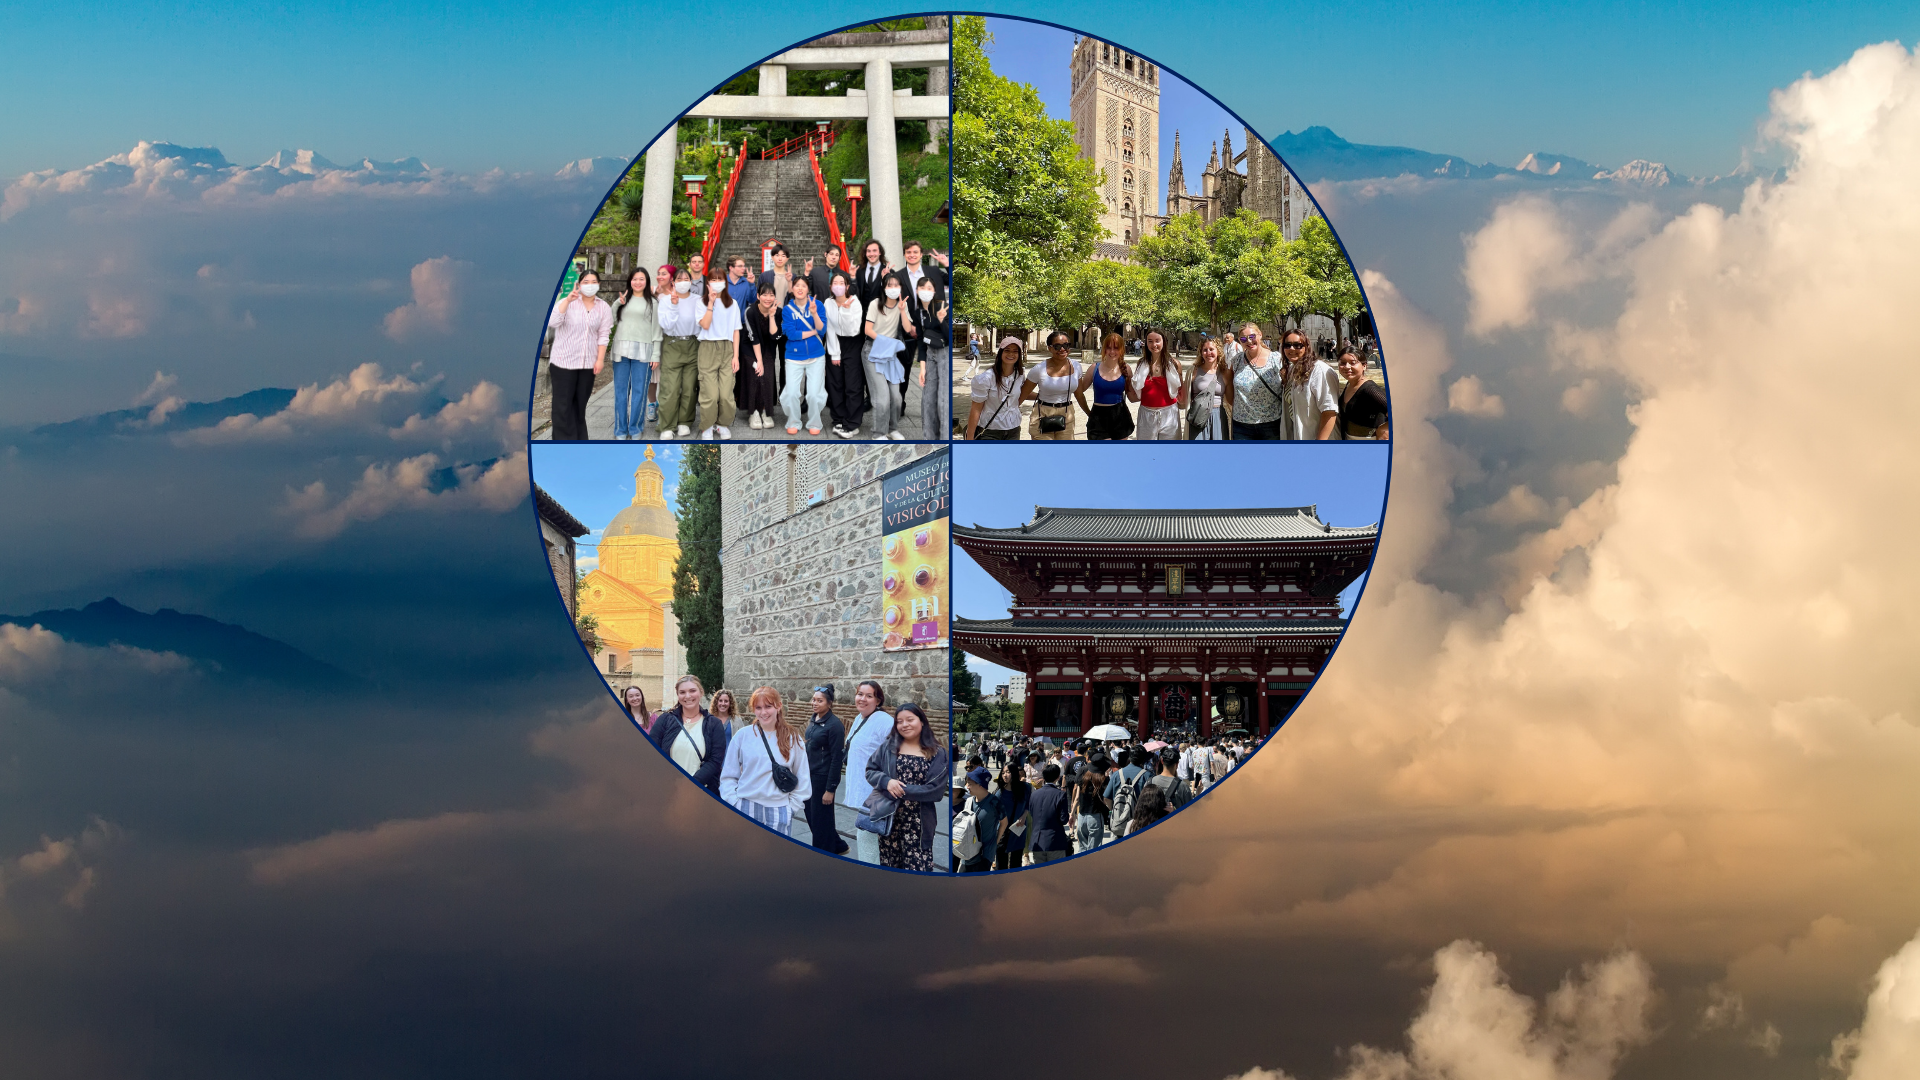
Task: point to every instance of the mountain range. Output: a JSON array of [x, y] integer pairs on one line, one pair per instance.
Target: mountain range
[[229, 651], [1316, 153]]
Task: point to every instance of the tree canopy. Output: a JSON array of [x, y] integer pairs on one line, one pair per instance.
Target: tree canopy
[[698, 589], [1026, 205], [1235, 269]]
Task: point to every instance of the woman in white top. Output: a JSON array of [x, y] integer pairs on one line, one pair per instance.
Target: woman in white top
[[636, 354], [747, 780], [1157, 380], [846, 372], [1313, 391], [679, 312], [1207, 395], [995, 415], [1055, 386], [718, 360], [581, 326], [887, 316]]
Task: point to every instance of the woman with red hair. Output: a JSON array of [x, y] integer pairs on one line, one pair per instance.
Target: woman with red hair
[[765, 775]]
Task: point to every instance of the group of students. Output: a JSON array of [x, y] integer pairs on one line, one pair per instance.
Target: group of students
[[1242, 390], [894, 765], [824, 343], [1027, 804]]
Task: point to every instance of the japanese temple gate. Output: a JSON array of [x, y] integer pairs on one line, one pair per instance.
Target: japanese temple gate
[[1156, 619], [875, 53]]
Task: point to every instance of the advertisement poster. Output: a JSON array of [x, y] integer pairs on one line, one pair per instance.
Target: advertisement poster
[[915, 503]]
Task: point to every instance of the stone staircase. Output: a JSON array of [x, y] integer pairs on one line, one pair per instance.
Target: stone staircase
[[778, 199]]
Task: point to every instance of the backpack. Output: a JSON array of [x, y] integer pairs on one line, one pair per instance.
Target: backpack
[[966, 833], [1124, 799]]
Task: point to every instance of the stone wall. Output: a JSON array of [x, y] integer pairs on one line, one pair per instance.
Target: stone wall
[[803, 582]]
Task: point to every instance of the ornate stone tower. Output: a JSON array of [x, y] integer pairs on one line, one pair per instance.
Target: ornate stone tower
[[1116, 120]]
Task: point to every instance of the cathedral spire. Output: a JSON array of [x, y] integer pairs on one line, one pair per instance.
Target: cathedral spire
[[1226, 149], [1177, 172], [1213, 159]]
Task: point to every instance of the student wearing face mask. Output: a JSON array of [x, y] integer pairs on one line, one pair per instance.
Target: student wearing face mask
[[680, 315], [719, 360], [846, 371], [581, 325], [889, 327], [912, 273], [930, 310]]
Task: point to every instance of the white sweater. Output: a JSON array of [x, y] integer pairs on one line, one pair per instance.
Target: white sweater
[[746, 774]]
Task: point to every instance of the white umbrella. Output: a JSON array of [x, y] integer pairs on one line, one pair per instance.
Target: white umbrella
[[1108, 733]]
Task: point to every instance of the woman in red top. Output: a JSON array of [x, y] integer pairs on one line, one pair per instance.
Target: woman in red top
[[1157, 381]]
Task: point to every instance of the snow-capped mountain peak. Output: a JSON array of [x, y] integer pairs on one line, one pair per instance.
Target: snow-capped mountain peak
[[1639, 172]]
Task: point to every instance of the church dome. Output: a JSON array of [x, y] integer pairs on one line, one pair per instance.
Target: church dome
[[647, 515]]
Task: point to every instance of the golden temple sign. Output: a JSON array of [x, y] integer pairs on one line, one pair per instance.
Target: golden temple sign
[[1176, 579]]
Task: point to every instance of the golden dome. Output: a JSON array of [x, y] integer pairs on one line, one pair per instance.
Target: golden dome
[[647, 515]]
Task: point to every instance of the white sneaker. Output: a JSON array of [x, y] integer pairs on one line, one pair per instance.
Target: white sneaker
[[844, 433], [708, 434], [896, 436], [683, 432], [725, 433]]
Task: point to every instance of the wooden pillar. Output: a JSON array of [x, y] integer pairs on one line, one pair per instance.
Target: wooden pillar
[[1146, 710], [1086, 705], [1206, 693], [1265, 723], [1026, 710]]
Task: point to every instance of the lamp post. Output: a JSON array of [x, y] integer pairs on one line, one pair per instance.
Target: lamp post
[[856, 190], [695, 185], [820, 132]]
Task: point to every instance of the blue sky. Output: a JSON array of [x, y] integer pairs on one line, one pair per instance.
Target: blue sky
[[1036, 53], [1000, 485], [525, 89], [595, 481]]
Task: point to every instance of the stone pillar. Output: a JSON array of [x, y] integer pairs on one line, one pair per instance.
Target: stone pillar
[[883, 161], [656, 204], [773, 80]]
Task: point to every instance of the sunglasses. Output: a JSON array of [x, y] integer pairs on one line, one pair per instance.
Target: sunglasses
[[1294, 345], [1061, 346]]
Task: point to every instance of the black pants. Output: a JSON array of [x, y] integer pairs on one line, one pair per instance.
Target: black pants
[[820, 820], [979, 864], [1000, 435], [847, 384], [1256, 432], [571, 388]]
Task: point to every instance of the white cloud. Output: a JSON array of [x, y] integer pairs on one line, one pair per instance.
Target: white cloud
[[1476, 1026], [356, 396], [33, 656], [1579, 398], [436, 299], [60, 868], [1468, 396], [480, 410], [1886, 1046], [408, 485], [1523, 251]]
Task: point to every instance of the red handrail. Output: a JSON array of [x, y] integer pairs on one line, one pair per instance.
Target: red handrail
[[826, 205], [822, 139], [726, 204]]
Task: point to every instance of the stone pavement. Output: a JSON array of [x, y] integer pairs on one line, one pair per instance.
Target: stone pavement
[[600, 416], [843, 816]]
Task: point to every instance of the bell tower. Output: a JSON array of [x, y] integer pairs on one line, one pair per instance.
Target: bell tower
[[1116, 122]]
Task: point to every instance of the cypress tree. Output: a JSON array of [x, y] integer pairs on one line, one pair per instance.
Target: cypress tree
[[698, 593]]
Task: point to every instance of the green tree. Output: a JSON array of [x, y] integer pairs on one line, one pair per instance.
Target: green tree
[[966, 685], [698, 590], [1232, 270], [1108, 295], [1026, 205], [587, 626], [1334, 292]]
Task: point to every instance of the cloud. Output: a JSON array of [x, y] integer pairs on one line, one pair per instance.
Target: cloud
[[1476, 1026], [1523, 251], [32, 656], [1886, 1045], [1671, 685], [59, 868], [1106, 970], [436, 299], [410, 484], [480, 410], [792, 970], [357, 396], [1468, 396]]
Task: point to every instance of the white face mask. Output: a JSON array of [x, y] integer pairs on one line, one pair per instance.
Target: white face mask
[[839, 288], [683, 287], [589, 289], [716, 286], [893, 292], [926, 296]]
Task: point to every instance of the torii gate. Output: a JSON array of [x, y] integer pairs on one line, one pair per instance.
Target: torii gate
[[878, 54]]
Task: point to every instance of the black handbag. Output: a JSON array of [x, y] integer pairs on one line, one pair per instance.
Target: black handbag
[[1051, 424], [783, 777]]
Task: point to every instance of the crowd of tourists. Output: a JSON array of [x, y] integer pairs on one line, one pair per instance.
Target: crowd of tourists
[[819, 343], [1234, 389], [1022, 802], [781, 774]]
